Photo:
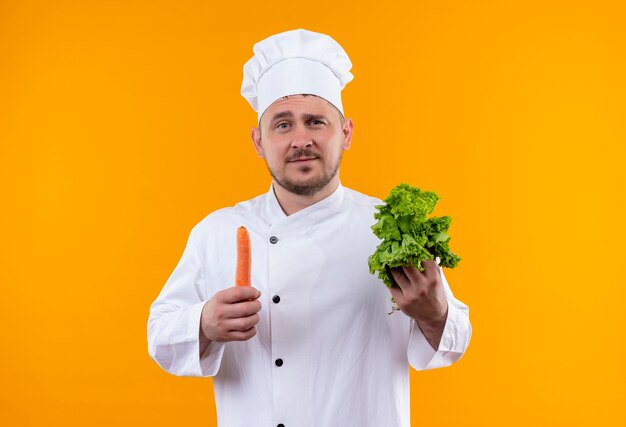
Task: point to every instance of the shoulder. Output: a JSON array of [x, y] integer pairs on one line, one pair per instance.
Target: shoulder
[[360, 200], [359, 210], [360, 207], [228, 217]]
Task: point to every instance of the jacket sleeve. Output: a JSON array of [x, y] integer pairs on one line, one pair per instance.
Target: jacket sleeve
[[174, 320], [454, 341]]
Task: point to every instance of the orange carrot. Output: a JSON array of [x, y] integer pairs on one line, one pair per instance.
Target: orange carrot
[[244, 260]]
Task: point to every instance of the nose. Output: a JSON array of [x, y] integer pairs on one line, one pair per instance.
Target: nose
[[301, 137]]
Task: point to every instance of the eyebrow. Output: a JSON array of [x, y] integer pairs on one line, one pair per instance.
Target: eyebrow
[[281, 115], [305, 116]]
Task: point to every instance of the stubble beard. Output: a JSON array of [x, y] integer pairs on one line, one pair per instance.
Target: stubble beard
[[310, 187]]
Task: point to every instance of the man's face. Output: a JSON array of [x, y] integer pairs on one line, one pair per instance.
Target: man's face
[[301, 139]]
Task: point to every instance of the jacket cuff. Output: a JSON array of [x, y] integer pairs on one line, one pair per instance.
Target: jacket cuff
[[208, 363], [454, 341], [177, 350]]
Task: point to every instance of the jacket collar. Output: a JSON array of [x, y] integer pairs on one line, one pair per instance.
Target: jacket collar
[[307, 216]]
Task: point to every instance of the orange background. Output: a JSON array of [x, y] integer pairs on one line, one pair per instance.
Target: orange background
[[121, 127]]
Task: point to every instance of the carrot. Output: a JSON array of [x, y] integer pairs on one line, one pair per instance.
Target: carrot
[[244, 260]]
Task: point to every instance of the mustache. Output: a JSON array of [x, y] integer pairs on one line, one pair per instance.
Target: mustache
[[302, 153]]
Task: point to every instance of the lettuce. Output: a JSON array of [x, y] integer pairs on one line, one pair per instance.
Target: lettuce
[[408, 236]]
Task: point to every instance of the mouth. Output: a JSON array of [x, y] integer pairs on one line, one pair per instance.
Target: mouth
[[303, 160]]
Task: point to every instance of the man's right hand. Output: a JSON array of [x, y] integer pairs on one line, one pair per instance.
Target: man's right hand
[[231, 315]]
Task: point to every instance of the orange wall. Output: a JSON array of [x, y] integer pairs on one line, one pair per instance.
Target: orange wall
[[121, 127]]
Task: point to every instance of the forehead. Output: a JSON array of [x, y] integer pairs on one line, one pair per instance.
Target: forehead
[[297, 105]]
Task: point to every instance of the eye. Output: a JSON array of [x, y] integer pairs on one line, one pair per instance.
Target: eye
[[317, 121], [280, 125]]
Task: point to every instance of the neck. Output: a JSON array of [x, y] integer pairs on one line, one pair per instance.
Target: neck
[[292, 203]]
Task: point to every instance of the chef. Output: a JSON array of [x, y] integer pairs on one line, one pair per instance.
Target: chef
[[311, 343]]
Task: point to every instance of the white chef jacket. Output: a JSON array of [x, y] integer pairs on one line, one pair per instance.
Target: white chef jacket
[[343, 359]]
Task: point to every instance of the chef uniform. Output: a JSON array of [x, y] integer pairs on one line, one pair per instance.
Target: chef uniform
[[326, 352]]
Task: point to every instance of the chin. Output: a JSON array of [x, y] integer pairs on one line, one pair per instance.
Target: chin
[[304, 177]]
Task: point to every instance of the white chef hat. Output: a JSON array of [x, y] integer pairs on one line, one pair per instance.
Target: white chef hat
[[295, 62]]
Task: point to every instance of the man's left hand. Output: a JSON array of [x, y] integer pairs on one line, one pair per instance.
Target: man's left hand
[[420, 295]]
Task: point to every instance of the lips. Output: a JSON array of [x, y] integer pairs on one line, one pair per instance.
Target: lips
[[302, 155], [302, 159]]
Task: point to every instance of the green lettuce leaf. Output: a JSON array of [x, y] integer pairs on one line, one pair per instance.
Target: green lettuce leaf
[[408, 236]]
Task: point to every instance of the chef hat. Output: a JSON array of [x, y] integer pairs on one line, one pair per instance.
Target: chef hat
[[295, 62]]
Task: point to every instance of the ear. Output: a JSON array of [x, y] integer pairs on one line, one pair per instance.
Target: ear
[[255, 134], [348, 128]]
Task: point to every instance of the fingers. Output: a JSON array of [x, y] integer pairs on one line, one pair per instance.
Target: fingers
[[400, 277], [242, 335], [241, 324], [419, 293], [239, 329], [237, 310], [410, 280], [226, 336], [230, 322], [430, 268], [416, 276], [413, 274], [241, 309], [238, 293], [396, 293]]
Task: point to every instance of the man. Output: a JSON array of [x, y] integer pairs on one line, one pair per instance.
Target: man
[[310, 343]]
